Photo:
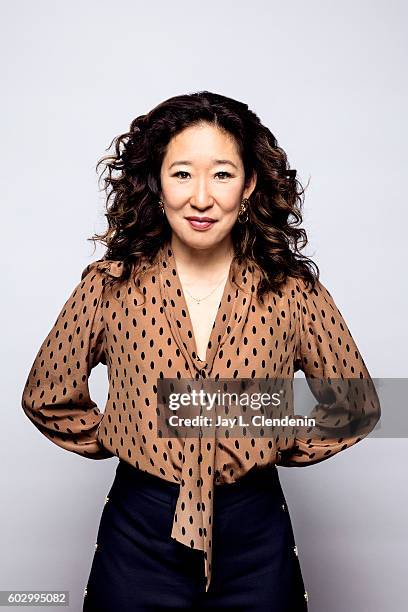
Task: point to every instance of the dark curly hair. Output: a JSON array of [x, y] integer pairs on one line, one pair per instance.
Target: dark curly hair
[[270, 240]]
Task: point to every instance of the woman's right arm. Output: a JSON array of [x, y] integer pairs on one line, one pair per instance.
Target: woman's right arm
[[56, 394]]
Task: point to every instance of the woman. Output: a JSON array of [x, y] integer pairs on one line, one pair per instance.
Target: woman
[[202, 279]]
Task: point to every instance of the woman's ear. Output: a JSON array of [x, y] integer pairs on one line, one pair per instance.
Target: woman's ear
[[250, 185]]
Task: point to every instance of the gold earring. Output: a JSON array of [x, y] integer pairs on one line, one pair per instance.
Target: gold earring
[[161, 205], [243, 211]]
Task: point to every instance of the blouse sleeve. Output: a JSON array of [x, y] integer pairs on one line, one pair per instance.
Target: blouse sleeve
[[56, 394], [347, 406]]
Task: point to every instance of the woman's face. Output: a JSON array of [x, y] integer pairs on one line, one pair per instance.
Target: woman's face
[[202, 175]]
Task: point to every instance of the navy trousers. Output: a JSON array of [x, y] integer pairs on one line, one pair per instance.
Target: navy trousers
[[137, 566]]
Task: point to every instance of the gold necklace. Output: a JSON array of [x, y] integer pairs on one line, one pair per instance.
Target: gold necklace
[[198, 300]]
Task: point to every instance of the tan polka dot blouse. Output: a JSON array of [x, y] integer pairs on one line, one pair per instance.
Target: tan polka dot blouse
[[142, 331]]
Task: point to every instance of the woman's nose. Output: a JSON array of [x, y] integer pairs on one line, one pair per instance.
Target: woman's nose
[[201, 197]]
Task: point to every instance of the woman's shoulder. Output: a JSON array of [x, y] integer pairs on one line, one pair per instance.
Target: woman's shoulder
[[300, 293], [104, 271], [104, 267], [302, 288]]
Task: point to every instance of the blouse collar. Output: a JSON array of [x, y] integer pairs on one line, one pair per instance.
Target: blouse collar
[[235, 301]]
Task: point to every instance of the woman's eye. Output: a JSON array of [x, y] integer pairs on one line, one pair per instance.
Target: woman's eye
[[226, 174]]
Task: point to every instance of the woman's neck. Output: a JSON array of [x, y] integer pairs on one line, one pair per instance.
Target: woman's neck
[[207, 263]]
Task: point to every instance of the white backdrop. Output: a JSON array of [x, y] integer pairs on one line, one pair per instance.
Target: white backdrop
[[327, 79]]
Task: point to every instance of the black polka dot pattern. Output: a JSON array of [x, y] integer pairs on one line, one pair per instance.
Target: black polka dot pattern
[[142, 331]]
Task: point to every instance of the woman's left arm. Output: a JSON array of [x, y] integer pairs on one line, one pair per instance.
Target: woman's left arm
[[347, 406]]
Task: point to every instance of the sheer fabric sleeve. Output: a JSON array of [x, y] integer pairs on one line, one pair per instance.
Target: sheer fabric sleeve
[[56, 395], [347, 407]]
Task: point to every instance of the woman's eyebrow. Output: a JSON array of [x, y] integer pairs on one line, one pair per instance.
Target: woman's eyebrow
[[215, 163]]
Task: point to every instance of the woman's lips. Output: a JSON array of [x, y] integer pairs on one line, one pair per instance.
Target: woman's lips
[[200, 225]]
